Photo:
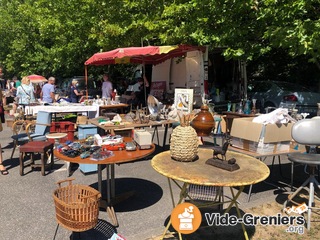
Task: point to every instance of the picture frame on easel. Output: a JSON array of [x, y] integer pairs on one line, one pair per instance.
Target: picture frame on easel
[[183, 99]]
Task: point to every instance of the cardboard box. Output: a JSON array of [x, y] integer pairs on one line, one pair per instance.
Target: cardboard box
[[257, 137], [260, 147], [142, 137]]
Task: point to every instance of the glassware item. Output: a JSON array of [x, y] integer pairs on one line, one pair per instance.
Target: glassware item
[[240, 106], [318, 112], [229, 106], [211, 108], [233, 107], [247, 109], [254, 102]]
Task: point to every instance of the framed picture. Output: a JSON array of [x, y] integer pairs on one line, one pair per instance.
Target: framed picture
[[183, 99]]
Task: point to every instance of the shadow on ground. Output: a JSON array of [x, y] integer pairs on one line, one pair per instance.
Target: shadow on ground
[[102, 231], [145, 193]]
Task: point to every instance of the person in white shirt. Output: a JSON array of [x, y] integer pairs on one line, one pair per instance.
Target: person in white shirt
[[106, 87]]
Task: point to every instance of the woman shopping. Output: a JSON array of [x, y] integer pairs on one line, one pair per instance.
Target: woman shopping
[[25, 92], [74, 91]]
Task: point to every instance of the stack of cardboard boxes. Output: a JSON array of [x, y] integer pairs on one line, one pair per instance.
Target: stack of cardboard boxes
[[260, 138]]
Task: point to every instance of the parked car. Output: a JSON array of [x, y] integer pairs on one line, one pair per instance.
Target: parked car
[[94, 88], [276, 94]]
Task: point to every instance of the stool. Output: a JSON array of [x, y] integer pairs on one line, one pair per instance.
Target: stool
[[56, 137], [306, 132], [44, 148], [312, 160]]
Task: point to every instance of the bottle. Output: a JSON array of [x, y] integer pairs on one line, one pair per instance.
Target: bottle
[[240, 107], [113, 94], [247, 107], [117, 97]]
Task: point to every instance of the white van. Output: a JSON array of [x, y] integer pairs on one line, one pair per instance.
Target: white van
[[186, 72]]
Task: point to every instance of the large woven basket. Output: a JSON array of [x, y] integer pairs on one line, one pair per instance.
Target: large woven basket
[[184, 144], [77, 206]]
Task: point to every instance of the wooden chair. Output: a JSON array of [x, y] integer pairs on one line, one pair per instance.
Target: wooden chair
[[25, 131]]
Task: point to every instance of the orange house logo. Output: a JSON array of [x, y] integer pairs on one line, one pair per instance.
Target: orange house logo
[[186, 218]]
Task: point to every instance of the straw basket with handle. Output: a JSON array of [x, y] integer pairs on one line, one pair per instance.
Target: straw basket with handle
[[77, 206], [184, 141]]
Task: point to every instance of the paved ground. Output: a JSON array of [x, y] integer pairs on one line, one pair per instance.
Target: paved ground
[[27, 208]]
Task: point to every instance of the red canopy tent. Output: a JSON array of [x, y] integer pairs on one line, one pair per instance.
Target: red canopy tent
[[140, 55], [147, 55], [37, 78]]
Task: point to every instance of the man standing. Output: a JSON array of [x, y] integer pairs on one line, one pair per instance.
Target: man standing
[[47, 94]]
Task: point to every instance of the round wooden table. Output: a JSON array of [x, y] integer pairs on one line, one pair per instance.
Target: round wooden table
[[118, 157], [199, 173]]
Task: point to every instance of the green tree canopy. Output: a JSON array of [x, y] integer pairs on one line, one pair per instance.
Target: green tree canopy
[[56, 36]]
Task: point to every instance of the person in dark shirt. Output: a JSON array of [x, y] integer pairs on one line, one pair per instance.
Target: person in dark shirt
[[144, 91], [74, 92]]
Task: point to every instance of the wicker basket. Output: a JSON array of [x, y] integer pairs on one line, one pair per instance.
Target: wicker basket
[[184, 144], [184, 141], [77, 206]]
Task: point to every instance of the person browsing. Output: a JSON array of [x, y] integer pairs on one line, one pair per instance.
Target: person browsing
[[74, 91], [106, 87], [25, 92], [47, 93]]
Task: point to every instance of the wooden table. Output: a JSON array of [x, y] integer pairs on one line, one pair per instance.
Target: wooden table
[[91, 110], [120, 106], [155, 124], [118, 157], [198, 172]]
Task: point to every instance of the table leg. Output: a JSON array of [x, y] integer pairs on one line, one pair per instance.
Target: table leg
[[110, 192], [100, 178], [165, 136], [182, 195], [154, 132], [234, 202], [112, 199], [292, 169], [171, 193], [112, 182], [108, 185]]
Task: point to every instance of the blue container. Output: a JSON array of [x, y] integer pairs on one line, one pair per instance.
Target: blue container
[[83, 131], [88, 168], [86, 129]]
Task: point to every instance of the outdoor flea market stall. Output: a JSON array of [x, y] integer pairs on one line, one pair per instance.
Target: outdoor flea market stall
[[210, 160]]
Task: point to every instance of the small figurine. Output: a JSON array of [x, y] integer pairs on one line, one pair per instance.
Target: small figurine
[[221, 150]]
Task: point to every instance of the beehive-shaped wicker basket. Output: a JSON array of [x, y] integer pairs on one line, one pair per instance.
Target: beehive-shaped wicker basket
[[184, 141], [77, 206]]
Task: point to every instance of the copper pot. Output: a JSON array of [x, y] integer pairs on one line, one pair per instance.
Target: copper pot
[[203, 123]]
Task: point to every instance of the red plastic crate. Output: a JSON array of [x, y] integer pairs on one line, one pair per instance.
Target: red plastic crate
[[63, 127]]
